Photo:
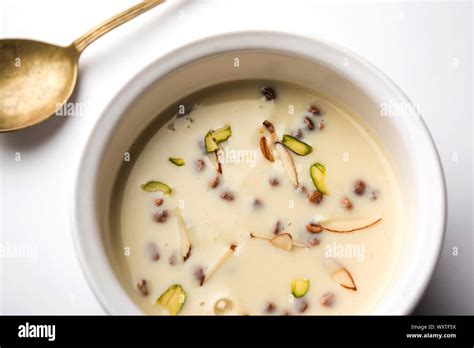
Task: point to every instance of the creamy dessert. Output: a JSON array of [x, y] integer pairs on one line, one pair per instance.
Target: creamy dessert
[[257, 198]]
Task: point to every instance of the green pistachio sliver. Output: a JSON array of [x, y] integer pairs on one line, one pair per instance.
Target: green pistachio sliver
[[296, 145], [210, 143], [222, 134], [154, 186], [214, 137], [299, 287], [318, 173], [177, 161], [173, 299]]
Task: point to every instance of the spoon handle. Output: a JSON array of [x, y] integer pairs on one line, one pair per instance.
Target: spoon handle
[[112, 23]]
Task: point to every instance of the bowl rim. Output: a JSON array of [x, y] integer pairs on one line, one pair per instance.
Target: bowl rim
[[185, 55]]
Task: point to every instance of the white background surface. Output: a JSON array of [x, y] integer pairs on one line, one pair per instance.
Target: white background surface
[[426, 48]]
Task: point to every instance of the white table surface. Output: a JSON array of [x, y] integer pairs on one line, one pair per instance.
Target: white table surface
[[426, 48]]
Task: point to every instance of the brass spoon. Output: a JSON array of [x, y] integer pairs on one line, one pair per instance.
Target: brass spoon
[[37, 78]]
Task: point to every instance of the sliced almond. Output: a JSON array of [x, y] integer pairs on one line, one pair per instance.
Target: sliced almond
[[265, 149], [288, 164], [283, 241], [346, 226], [344, 278], [183, 236], [339, 274], [214, 159], [219, 263]]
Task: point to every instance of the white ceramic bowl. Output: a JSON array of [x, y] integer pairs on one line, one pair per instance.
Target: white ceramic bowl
[[321, 66]]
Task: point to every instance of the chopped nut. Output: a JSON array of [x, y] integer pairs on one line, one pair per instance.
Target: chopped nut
[[313, 228], [315, 197], [273, 182], [359, 187], [313, 109], [257, 203], [277, 228], [161, 216], [327, 300], [142, 287], [309, 124], [346, 203], [227, 196], [321, 125], [152, 251], [313, 242], [270, 127], [158, 202], [219, 164], [199, 275], [298, 133], [374, 195], [268, 92], [214, 182], [270, 308], [303, 306], [200, 165]]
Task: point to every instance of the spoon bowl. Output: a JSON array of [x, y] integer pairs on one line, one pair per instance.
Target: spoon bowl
[[37, 79]]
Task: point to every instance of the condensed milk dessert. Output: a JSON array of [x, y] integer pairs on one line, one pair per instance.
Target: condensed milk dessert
[[257, 198]]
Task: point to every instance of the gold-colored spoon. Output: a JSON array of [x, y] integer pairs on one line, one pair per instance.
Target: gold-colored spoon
[[37, 78]]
